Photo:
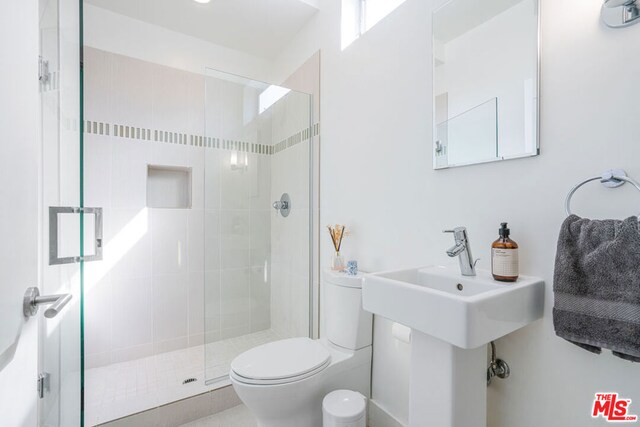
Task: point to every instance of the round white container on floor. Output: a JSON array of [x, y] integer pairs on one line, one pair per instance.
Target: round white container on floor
[[344, 408]]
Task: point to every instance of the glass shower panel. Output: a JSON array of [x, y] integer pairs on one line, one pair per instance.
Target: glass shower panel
[[257, 265], [60, 338], [145, 166]]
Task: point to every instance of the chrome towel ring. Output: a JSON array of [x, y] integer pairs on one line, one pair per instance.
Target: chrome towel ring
[[611, 178]]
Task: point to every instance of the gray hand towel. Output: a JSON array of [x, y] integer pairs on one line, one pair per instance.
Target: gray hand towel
[[597, 285]]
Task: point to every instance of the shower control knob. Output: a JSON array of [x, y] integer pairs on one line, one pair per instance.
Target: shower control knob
[[283, 206]]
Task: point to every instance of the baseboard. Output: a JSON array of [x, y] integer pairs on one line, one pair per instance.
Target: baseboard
[[379, 417]]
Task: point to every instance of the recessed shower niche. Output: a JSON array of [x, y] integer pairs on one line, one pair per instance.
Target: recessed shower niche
[[168, 187]]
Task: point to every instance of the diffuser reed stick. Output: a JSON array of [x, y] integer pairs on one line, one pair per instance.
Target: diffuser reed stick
[[337, 233]]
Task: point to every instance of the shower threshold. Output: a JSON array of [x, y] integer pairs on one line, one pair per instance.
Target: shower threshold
[[126, 388]]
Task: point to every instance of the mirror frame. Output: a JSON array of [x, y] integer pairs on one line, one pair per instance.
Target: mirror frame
[[537, 93]]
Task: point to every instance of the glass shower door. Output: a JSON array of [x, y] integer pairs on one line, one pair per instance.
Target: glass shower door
[[60, 337], [257, 278]]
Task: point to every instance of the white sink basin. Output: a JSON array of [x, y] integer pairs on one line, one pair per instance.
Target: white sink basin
[[467, 312]]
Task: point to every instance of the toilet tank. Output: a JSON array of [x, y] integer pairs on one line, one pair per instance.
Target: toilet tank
[[348, 325]]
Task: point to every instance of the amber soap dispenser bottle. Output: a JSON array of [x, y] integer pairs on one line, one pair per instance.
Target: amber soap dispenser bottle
[[504, 257]]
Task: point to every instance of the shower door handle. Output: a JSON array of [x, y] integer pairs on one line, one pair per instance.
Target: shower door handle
[[54, 213], [32, 300]]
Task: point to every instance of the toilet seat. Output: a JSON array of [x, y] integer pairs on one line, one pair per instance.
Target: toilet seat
[[280, 362]]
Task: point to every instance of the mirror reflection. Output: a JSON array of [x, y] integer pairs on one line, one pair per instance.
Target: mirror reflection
[[485, 81]]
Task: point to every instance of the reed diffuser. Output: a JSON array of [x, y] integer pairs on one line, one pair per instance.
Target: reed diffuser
[[337, 233]]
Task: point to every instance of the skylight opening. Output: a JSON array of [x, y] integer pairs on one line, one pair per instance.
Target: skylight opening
[[359, 16], [270, 96]]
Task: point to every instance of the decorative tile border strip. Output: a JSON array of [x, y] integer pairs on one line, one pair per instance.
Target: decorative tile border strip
[[155, 135], [297, 138]]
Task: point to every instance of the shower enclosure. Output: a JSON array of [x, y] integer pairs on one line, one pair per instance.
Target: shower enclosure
[[190, 264], [197, 264]]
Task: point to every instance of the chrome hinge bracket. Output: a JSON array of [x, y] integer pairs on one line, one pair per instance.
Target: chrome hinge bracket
[[43, 70], [44, 384]]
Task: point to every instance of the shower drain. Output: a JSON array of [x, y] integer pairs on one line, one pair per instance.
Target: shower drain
[[189, 380]]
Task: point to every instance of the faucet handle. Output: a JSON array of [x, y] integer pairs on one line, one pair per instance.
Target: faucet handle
[[460, 233]]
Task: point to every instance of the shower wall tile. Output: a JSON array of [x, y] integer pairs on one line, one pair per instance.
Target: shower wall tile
[[97, 160], [169, 240], [129, 173], [261, 183], [235, 292], [196, 161], [176, 155], [195, 240], [232, 111], [131, 353], [170, 345], [235, 239], [212, 260], [235, 189], [170, 307], [196, 305], [127, 252], [260, 299], [132, 314], [290, 278], [212, 177], [170, 98], [260, 237], [131, 91], [195, 85], [213, 106], [97, 75], [98, 304], [212, 304]]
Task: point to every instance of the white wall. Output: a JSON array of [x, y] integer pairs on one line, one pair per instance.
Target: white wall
[[116, 33], [377, 177], [19, 172]]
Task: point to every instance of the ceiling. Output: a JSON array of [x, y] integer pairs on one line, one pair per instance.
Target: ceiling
[[459, 16], [258, 27]]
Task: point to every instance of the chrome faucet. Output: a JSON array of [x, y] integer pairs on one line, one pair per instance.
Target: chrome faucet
[[462, 249]]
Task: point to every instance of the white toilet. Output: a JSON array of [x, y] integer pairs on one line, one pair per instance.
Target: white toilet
[[283, 382]]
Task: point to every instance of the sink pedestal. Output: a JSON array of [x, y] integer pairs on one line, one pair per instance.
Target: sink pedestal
[[452, 318], [448, 385]]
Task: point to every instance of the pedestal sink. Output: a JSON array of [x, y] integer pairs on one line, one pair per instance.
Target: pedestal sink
[[452, 318]]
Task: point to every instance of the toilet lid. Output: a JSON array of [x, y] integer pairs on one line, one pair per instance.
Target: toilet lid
[[280, 360]]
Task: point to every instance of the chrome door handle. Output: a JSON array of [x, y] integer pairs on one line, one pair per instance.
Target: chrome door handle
[[32, 301]]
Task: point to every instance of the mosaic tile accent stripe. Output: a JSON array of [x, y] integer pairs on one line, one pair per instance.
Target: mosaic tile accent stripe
[[297, 138], [163, 136]]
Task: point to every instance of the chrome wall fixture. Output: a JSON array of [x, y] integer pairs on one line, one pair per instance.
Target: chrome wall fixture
[[621, 13], [612, 178], [32, 300], [497, 367], [462, 250], [283, 206]]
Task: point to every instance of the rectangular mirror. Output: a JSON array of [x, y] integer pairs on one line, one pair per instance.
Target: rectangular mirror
[[485, 88]]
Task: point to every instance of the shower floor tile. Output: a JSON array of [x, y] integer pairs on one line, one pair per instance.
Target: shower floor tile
[[125, 388]]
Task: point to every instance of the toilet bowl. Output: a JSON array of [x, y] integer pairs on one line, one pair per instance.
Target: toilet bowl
[[283, 382]]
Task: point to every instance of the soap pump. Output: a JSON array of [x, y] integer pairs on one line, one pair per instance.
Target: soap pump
[[504, 257]]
